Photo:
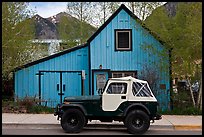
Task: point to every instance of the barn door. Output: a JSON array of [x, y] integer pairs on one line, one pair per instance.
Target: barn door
[[50, 87], [55, 85]]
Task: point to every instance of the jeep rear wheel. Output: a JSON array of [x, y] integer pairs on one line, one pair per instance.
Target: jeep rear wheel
[[137, 122], [73, 121]]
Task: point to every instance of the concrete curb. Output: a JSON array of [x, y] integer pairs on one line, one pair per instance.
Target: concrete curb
[[89, 126], [97, 126], [187, 127], [48, 121], [29, 126]]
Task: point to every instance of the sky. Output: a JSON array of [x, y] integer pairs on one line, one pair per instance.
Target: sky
[[47, 9]]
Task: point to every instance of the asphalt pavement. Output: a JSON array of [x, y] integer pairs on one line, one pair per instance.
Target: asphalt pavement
[[49, 121]]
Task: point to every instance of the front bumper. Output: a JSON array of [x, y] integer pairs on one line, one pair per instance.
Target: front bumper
[[157, 117], [58, 112]]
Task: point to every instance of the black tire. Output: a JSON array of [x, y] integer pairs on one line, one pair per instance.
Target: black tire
[[137, 122], [73, 121], [86, 122]]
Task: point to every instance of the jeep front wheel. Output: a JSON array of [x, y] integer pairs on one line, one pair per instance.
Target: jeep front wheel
[[137, 122], [73, 121]]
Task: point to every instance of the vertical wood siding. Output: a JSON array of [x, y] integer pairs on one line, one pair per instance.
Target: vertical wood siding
[[26, 80], [103, 52]]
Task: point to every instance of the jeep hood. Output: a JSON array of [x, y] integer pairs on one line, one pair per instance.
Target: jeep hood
[[82, 98]]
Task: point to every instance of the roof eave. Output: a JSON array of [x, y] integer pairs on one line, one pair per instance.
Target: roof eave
[[49, 57]]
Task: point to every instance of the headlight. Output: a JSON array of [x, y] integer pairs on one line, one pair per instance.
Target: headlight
[[66, 102]]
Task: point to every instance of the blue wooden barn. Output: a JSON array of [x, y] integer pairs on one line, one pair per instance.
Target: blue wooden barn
[[122, 46]]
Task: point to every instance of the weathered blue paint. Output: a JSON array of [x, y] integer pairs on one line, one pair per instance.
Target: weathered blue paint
[[102, 51], [27, 82]]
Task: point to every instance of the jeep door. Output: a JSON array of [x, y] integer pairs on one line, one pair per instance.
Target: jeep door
[[115, 93]]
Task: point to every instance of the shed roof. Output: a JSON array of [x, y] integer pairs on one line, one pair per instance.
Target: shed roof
[[50, 57]]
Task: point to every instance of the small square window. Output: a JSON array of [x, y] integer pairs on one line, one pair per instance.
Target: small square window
[[123, 40]]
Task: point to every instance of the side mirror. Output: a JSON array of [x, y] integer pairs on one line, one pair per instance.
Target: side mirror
[[100, 91]]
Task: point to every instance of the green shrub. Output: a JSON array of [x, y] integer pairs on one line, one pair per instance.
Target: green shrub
[[25, 105], [182, 111], [26, 102], [40, 109]]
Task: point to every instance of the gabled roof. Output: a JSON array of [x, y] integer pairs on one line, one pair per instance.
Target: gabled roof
[[123, 7], [50, 57]]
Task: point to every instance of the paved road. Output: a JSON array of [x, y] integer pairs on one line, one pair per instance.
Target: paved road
[[97, 131]]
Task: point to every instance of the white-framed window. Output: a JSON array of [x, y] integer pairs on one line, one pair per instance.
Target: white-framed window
[[123, 39], [123, 74]]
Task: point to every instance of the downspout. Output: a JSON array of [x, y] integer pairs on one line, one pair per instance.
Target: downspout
[[89, 63], [170, 74]]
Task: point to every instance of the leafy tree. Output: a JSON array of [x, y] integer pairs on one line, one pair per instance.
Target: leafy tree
[[16, 31], [70, 32], [67, 29], [183, 33], [80, 10], [143, 9], [105, 10]]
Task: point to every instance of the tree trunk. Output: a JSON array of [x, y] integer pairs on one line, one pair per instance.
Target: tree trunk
[[81, 19], [133, 7], [104, 12], [191, 92], [200, 95]]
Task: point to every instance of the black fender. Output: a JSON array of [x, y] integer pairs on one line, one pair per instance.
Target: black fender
[[78, 106], [136, 105]]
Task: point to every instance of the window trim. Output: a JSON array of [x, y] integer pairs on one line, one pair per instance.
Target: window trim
[[123, 73], [116, 40]]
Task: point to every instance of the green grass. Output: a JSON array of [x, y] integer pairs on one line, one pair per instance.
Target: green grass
[[182, 111], [40, 109]]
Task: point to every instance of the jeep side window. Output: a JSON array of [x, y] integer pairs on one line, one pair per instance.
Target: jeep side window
[[140, 90], [117, 88]]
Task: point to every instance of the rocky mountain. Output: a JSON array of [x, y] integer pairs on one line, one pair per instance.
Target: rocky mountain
[[48, 28], [56, 18], [45, 29]]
